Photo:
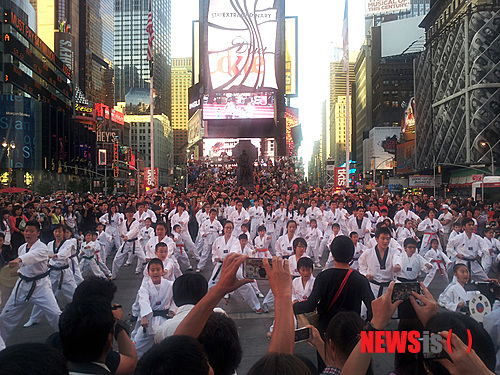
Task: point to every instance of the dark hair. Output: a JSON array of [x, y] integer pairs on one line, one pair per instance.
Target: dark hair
[[160, 244], [336, 225], [176, 355], [461, 324], [342, 249], [352, 234], [245, 225], [130, 210], [279, 363], [161, 224], [343, 331], [84, 328], [33, 359], [291, 222], [434, 240], [34, 224], [458, 265], [220, 339], [139, 204], [94, 287], [212, 210], [229, 222], [155, 261], [181, 204], [189, 289], [466, 221], [176, 226], [409, 241], [261, 228], [298, 241], [383, 230], [305, 262], [242, 236]]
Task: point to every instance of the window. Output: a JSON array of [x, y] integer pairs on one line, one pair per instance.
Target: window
[[395, 104]]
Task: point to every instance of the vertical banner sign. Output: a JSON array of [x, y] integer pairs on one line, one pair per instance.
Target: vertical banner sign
[[340, 176], [115, 159], [242, 45], [102, 156], [132, 161], [148, 178]]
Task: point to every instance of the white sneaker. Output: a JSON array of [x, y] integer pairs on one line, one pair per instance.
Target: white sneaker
[[260, 295], [29, 323]]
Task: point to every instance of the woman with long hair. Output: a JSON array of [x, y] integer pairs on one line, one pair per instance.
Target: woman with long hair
[[17, 223]]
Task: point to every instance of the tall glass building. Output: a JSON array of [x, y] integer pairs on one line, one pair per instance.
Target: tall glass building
[[96, 50], [130, 51]]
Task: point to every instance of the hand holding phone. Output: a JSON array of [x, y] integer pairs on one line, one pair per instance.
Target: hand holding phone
[[302, 334], [403, 291]]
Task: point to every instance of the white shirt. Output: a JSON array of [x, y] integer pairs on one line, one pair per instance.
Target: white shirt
[[151, 246], [292, 264], [410, 266], [182, 220], [221, 248], [402, 215], [238, 218], [212, 229], [301, 292], [168, 328], [370, 265], [313, 213], [112, 223], [284, 246], [392, 243], [262, 243], [468, 247], [35, 261], [142, 218], [443, 217], [63, 253], [455, 294], [430, 226]]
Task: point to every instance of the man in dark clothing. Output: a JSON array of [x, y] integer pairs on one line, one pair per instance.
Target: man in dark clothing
[[356, 290]]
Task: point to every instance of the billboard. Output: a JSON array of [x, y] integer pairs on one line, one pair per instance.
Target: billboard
[[339, 176], [383, 141], [238, 106], [292, 120], [149, 183], [220, 147], [387, 6], [17, 125], [291, 61], [195, 126], [242, 45], [405, 157]]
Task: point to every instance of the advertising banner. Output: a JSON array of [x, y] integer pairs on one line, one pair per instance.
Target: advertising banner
[[292, 120], [424, 181], [339, 175], [291, 69], [149, 183], [195, 132], [383, 141], [242, 45], [17, 128], [387, 6], [231, 106]]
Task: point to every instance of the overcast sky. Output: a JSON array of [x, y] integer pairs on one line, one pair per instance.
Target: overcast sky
[[320, 28]]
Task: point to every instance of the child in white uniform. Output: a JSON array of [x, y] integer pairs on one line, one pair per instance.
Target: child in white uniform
[[145, 234], [155, 300], [456, 298], [408, 264], [432, 228], [100, 255], [358, 250], [179, 252], [210, 229], [313, 238], [89, 264], [439, 262], [493, 245], [402, 233], [299, 247], [261, 243], [336, 232], [74, 264]]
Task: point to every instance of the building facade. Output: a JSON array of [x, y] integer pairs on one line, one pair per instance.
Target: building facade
[[96, 47], [457, 92], [182, 75], [130, 50], [140, 126]]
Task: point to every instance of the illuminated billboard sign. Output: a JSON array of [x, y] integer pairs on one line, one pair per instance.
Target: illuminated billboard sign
[[387, 6], [292, 120], [242, 45], [291, 56], [238, 106]]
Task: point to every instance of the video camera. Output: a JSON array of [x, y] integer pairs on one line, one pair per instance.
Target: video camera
[[489, 289]]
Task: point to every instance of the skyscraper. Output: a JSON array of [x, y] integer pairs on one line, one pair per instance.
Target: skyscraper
[[96, 50], [182, 72], [130, 50]]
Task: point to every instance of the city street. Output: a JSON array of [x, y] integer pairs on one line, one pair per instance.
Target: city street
[[251, 327]]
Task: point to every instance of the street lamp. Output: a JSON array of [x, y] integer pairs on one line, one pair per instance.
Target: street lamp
[[484, 144], [187, 169], [9, 146]]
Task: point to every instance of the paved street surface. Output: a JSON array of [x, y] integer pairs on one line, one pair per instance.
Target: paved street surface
[[252, 327]]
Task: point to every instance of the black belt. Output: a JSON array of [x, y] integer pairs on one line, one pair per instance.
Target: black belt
[[33, 286], [133, 246], [469, 260], [403, 280], [61, 279], [218, 271], [132, 240], [381, 285], [163, 313], [353, 260]]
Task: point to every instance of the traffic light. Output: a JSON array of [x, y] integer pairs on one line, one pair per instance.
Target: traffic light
[[439, 169]]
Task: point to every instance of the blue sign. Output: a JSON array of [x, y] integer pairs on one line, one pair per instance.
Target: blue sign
[[17, 127]]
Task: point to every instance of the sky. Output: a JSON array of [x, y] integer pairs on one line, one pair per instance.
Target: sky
[[320, 28]]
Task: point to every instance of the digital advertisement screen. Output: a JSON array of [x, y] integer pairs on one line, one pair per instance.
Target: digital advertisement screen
[[238, 106]]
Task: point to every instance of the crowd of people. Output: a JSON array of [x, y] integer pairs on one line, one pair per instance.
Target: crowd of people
[[74, 247]]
